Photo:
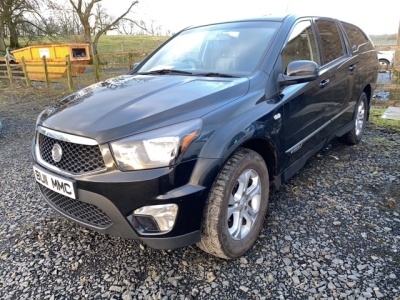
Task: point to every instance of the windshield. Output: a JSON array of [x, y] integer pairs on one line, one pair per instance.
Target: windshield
[[230, 48]]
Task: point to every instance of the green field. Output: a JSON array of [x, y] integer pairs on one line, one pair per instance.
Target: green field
[[109, 43], [376, 119], [140, 46], [132, 43]]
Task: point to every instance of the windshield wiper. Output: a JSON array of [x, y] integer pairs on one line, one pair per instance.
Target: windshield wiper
[[165, 72], [212, 74], [172, 71]]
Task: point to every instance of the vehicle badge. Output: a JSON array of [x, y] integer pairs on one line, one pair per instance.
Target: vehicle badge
[[56, 152]]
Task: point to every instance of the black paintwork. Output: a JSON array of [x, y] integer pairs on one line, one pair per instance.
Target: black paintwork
[[284, 118]]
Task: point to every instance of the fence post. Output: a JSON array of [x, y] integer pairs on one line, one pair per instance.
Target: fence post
[[46, 73], [130, 61], [141, 47], [9, 73], [69, 74], [24, 69], [96, 68]]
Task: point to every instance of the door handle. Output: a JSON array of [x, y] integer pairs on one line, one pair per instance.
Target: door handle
[[352, 67], [324, 83]]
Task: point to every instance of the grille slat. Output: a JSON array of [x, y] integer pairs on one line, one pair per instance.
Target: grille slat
[[76, 209], [76, 158]]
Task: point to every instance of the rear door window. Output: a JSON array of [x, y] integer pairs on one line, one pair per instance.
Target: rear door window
[[332, 46], [355, 35]]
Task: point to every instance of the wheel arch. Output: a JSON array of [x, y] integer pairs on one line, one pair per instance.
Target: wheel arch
[[368, 91], [385, 60], [269, 153]]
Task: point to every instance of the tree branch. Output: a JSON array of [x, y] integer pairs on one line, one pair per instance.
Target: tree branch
[[115, 22]]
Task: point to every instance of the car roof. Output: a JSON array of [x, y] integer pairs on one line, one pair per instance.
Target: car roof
[[276, 18], [272, 18]]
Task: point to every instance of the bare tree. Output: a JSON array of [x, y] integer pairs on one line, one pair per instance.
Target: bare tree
[[131, 27], [2, 36], [35, 29], [149, 27], [154, 28], [8, 8], [127, 27], [19, 15], [87, 14], [35, 19], [11, 15], [66, 18], [101, 19]]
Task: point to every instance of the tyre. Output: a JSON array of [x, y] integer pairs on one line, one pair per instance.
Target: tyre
[[360, 119], [384, 62], [236, 206]]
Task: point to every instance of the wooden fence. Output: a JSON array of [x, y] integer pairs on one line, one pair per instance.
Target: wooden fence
[[103, 67]]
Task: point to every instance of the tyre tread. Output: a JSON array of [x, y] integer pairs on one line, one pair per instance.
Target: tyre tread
[[350, 137], [210, 241]]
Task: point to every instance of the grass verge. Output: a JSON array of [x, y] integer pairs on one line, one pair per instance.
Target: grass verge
[[376, 119]]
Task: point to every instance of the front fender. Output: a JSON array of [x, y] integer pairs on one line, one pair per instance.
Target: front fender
[[256, 123]]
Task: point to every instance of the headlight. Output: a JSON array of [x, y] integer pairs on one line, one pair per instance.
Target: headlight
[[157, 148], [40, 117]]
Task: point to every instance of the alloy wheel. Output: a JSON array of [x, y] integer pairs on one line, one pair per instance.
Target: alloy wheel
[[360, 118], [244, 204]]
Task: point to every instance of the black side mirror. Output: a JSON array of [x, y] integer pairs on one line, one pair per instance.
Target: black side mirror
[[299, 71]]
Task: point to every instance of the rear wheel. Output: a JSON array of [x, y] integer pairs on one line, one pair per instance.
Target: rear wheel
[[384, 62], [236, 206], [354, 136]]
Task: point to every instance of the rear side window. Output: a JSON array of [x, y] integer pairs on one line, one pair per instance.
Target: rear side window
[[355, 35], [332, 46]]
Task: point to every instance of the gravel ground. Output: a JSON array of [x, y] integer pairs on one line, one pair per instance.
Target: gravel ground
[[331, 232]]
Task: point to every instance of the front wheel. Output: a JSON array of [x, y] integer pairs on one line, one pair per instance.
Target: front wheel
[[360, 119], [236, 206]]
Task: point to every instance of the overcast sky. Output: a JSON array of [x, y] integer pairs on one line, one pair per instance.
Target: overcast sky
[[375, 17]]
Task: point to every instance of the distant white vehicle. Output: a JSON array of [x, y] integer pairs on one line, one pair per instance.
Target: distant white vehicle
[[386, 57]]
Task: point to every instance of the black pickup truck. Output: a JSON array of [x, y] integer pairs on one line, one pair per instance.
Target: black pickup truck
[[185, 148]]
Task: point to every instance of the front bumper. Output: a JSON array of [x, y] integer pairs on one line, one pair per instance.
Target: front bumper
[[105, 202]]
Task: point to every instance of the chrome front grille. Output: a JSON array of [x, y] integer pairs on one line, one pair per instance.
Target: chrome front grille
[[76, 158], [81, 211]]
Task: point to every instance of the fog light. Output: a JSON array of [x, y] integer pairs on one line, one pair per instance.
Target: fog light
[[164, 215], [147, 223]]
